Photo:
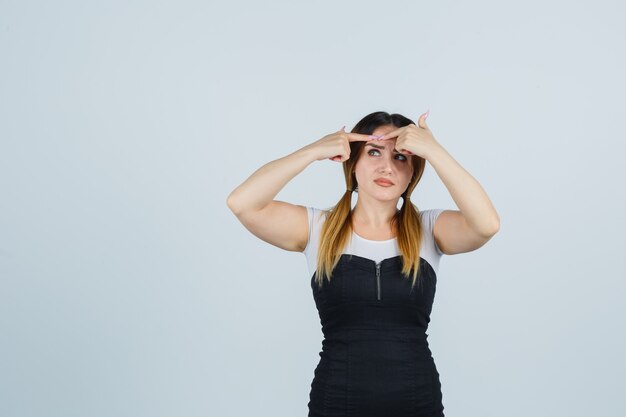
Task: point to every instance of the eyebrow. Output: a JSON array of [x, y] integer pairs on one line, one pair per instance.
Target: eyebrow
[[379, 147]]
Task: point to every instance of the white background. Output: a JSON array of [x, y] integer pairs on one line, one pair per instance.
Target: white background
[[128, 288]]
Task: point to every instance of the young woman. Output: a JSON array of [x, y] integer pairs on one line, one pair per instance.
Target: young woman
[[373, 267]]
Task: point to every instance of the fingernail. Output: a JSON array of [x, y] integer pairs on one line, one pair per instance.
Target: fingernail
[[374, 136], [427, 113]]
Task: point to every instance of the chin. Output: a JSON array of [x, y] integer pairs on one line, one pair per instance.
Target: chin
[[386, 196]]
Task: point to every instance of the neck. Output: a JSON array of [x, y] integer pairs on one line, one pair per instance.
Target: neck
[[374, 213]]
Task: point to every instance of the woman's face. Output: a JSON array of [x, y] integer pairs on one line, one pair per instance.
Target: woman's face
[[379, 161]]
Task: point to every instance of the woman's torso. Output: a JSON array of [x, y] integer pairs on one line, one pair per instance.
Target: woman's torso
[[375, 359]]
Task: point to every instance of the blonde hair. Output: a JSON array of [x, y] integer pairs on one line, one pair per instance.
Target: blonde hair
[[337, 227]]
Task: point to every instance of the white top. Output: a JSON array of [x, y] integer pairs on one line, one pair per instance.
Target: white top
[[377, 250]]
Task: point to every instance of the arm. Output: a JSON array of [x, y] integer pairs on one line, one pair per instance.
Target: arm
[[279, 223], [263, 185], [477, 221], [276, 222]]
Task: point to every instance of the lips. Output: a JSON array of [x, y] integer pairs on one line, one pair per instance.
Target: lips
[[383, 182]]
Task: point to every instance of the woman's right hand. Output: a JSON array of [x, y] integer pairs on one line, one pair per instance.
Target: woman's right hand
[[336, 146]]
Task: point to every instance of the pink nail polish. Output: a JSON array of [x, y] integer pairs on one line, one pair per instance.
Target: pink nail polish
[[427, 113]]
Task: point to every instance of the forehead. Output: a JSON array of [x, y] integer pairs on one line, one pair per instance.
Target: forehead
[[383, 144], [383, 130], [388, 144]]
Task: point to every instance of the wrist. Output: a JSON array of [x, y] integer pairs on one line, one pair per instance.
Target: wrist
[[435, 152], [306, 153]]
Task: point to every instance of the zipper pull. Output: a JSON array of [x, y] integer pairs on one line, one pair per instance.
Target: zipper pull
[[378, 279]]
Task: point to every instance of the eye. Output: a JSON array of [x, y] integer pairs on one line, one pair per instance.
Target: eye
[[403, 157]]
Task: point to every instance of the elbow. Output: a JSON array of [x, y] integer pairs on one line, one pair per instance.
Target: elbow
[[231, 203], [495, 228], [487, 231]]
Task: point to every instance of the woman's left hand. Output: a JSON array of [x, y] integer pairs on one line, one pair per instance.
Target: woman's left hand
[[413, 140]]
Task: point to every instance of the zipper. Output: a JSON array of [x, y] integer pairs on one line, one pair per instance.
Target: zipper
[[378, 279]]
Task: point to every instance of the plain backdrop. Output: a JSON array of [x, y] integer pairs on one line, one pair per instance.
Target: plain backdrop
[[128, 288]]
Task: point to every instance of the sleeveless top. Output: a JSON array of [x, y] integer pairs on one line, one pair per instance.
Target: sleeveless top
[[375, 359]]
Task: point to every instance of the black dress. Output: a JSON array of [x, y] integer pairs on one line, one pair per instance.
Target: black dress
[[375, 360]]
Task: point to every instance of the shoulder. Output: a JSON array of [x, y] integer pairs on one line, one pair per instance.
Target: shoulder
[[315, 215], [315, 218], [429, 216]]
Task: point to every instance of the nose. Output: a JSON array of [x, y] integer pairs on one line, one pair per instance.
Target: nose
[[386, 164]]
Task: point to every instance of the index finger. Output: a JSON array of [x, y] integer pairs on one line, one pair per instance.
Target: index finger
[[355, 137], [392, 134]]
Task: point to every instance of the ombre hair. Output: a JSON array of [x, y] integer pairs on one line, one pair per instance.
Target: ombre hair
[[337, 227]]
